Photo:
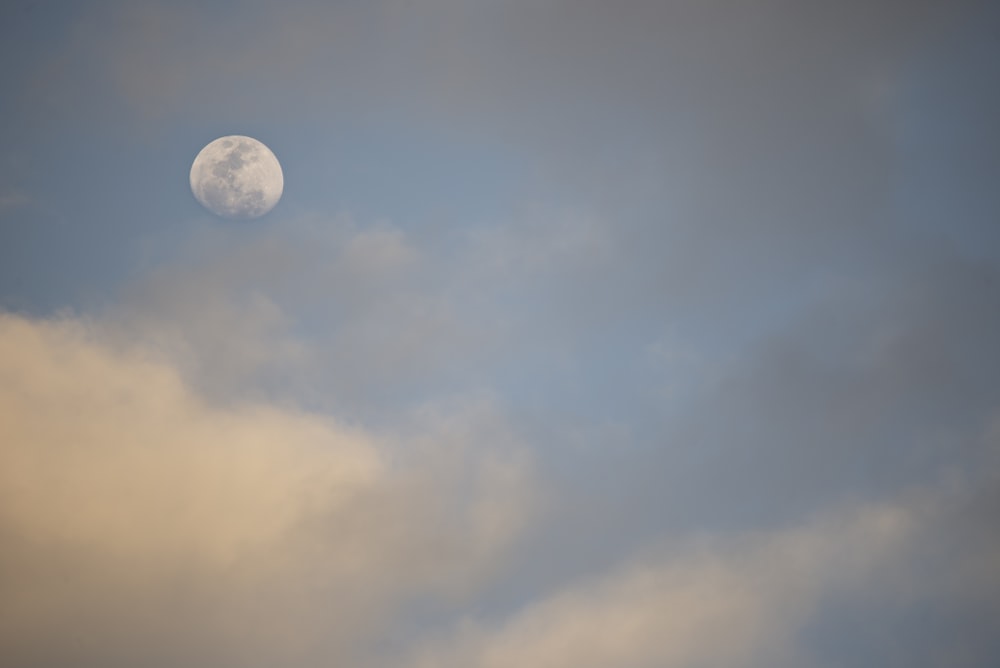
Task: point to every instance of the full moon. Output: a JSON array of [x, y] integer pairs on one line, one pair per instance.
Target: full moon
[[237, 177]]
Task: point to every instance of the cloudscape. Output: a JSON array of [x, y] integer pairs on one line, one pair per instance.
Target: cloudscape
[[635, 334]]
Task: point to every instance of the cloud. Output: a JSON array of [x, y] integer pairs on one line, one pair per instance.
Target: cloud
[[769, 598], [732, 602], [328, 309], [317, 307], [13, 198], [143, 525]]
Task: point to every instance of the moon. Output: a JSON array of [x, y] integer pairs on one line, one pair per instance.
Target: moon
[[237, 177]]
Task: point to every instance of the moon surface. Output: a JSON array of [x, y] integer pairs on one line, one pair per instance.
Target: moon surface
[[237, 177]]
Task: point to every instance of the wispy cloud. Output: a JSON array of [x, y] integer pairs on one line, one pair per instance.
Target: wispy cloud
[[10, 199], [763, 598], [734, 602]]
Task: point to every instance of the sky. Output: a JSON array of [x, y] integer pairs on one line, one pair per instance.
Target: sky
[[654, 333]]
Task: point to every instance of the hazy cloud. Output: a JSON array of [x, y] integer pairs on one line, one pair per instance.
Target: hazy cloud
[[767, 598]]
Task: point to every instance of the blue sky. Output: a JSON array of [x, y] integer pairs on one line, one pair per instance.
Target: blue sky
[[654, 334]]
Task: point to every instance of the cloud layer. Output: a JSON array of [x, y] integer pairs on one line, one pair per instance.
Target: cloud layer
[[660, 334], [139, 521], [142, 523]]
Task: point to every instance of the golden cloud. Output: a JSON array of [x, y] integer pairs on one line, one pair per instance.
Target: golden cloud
[[139, 520]]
